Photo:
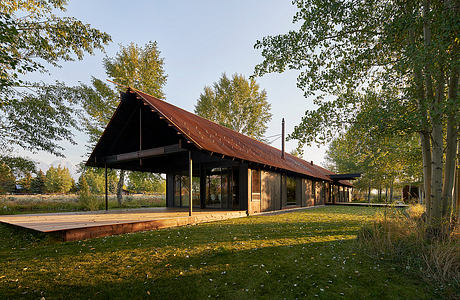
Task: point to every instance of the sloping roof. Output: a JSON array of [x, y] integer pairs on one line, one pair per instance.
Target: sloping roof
[[210, 136]]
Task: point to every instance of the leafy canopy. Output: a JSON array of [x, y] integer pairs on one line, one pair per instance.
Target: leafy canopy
[[134, 66], [236, 103], [58, 180], [348, 50], [37, 116]]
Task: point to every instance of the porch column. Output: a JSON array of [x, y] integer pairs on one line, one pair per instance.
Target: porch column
[[190, 183], [106, 190]]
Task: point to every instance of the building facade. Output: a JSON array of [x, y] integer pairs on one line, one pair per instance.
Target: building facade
[[228, 170]]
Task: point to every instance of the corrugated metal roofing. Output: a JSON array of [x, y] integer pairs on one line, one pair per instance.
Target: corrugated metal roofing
[[218, 139]]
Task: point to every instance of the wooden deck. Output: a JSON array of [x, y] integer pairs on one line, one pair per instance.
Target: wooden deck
[[73, 226]]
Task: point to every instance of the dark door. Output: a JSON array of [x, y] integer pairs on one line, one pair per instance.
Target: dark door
[[235, 188]]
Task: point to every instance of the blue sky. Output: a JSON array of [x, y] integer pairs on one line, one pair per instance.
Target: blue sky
[[199, 40]]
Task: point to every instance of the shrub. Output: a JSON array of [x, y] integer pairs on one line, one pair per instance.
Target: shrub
[[86, 198], [402, 236]]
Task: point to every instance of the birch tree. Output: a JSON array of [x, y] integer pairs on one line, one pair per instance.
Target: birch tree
[[405, 53]]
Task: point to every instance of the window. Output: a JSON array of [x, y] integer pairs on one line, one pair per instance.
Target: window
[[181, 191], [255, 185], [214, 188], [291, 189]]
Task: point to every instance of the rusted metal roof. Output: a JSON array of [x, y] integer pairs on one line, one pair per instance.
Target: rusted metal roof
[[220, 140]]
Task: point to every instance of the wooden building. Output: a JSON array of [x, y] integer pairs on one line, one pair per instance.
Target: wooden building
[[222, 168]]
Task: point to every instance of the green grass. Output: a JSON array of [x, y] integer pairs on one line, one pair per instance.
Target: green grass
[[306, 254]]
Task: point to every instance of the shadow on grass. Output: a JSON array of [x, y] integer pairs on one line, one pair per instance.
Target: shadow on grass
[[299, 271], [297, 255]]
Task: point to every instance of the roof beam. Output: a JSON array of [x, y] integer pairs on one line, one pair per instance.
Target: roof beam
[[142, 154], [349, 176]]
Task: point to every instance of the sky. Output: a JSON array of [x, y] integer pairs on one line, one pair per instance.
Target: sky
[[199, 40]]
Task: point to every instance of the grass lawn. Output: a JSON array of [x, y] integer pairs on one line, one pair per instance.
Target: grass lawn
[[305, 254]]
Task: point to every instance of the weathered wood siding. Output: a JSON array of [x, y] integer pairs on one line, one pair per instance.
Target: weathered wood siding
[[308, 192], [320, 193], [270, 191]]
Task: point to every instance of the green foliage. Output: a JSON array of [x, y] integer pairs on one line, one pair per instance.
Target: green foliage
[[26, 182], [86, 198], [133, 66], [380, 160], [137, 67], [357, 57], [37, 184], [236, 103], [389, 67], [7, 179], [35, 35], [143, 182], [20, 166], [37, 116], [39, 120], [95, 178], [58, 180]]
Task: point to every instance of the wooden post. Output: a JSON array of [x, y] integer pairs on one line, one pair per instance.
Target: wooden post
[[106, 190], [140, 133], [190, 174]]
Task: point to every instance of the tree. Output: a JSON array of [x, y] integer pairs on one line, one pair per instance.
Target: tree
[[58, 180], [36, 116], [20, 166], [95, 178], [37, 184], [404, 55], [143, 182], [26, 182], [236, 103], [133, 66], [7, 179], [382, 161]]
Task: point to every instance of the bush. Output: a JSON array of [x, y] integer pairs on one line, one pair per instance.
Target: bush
[[86, 198], [402, 237]]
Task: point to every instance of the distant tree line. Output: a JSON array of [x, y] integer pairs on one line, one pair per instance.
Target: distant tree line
[[56, 180]]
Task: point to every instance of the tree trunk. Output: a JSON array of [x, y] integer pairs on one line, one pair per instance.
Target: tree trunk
[[457, 187], [120, 184], [386, 193], [451, 145], [424, 128], [409, 193], [391, 191], [369, 193], [434, 211]]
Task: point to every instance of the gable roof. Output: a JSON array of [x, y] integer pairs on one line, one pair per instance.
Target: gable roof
[[215, 138]]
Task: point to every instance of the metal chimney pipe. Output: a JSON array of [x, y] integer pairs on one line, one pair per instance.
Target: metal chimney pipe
[[282, 139]]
